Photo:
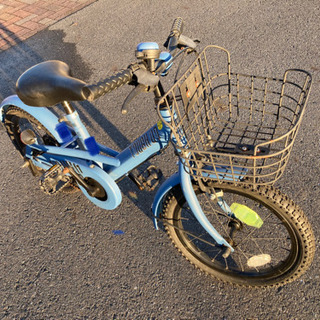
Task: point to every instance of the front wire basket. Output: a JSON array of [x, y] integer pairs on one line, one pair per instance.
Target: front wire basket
[[234, 127]]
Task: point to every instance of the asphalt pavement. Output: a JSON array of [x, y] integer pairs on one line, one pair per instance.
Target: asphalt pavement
[[62, 257]]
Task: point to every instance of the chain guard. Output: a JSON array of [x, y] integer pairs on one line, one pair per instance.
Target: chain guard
[[113, 194]]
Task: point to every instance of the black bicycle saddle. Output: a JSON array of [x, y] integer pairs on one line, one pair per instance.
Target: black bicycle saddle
[[49, 83]]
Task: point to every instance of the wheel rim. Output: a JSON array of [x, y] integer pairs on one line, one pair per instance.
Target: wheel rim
[[275, 240]]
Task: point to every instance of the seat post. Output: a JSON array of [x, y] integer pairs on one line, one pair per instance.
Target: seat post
[[67, 106]]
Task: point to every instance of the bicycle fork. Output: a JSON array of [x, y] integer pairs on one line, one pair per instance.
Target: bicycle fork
[[189, 194]]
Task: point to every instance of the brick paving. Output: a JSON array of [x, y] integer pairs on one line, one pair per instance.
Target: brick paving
[[21, 19]]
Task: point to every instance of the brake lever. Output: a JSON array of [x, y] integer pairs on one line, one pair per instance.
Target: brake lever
[[144, 81], [185, 41], [136, 90]]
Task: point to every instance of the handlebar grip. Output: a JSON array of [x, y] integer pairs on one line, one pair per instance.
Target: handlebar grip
[[175, 33], [94, 91], [177, 27]]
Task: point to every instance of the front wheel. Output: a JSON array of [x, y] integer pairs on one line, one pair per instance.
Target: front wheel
[[271, 253]]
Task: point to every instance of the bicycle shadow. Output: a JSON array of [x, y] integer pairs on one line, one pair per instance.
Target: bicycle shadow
[[9, 37], [45, 45], [9, 66]]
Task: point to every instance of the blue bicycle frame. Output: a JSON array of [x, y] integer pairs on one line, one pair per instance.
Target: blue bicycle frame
[[107, 169]]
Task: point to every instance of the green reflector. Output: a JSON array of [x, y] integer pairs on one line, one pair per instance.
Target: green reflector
[[246, 215]]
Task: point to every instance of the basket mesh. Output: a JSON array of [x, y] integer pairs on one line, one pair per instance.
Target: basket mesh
[[234, 127]]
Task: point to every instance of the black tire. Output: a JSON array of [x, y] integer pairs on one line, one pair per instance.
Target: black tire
[[16, 120], [285, 240]]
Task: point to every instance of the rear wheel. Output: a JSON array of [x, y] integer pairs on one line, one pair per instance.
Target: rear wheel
[[271, 254], [16, 121]]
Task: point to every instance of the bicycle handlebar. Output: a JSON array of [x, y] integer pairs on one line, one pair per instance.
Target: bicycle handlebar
[[94, 91]]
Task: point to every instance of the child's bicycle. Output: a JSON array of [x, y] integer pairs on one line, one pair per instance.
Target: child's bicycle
[[233, 134]]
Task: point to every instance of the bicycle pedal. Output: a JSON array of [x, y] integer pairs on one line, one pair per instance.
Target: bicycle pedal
[[54, 180], [148, 179]]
